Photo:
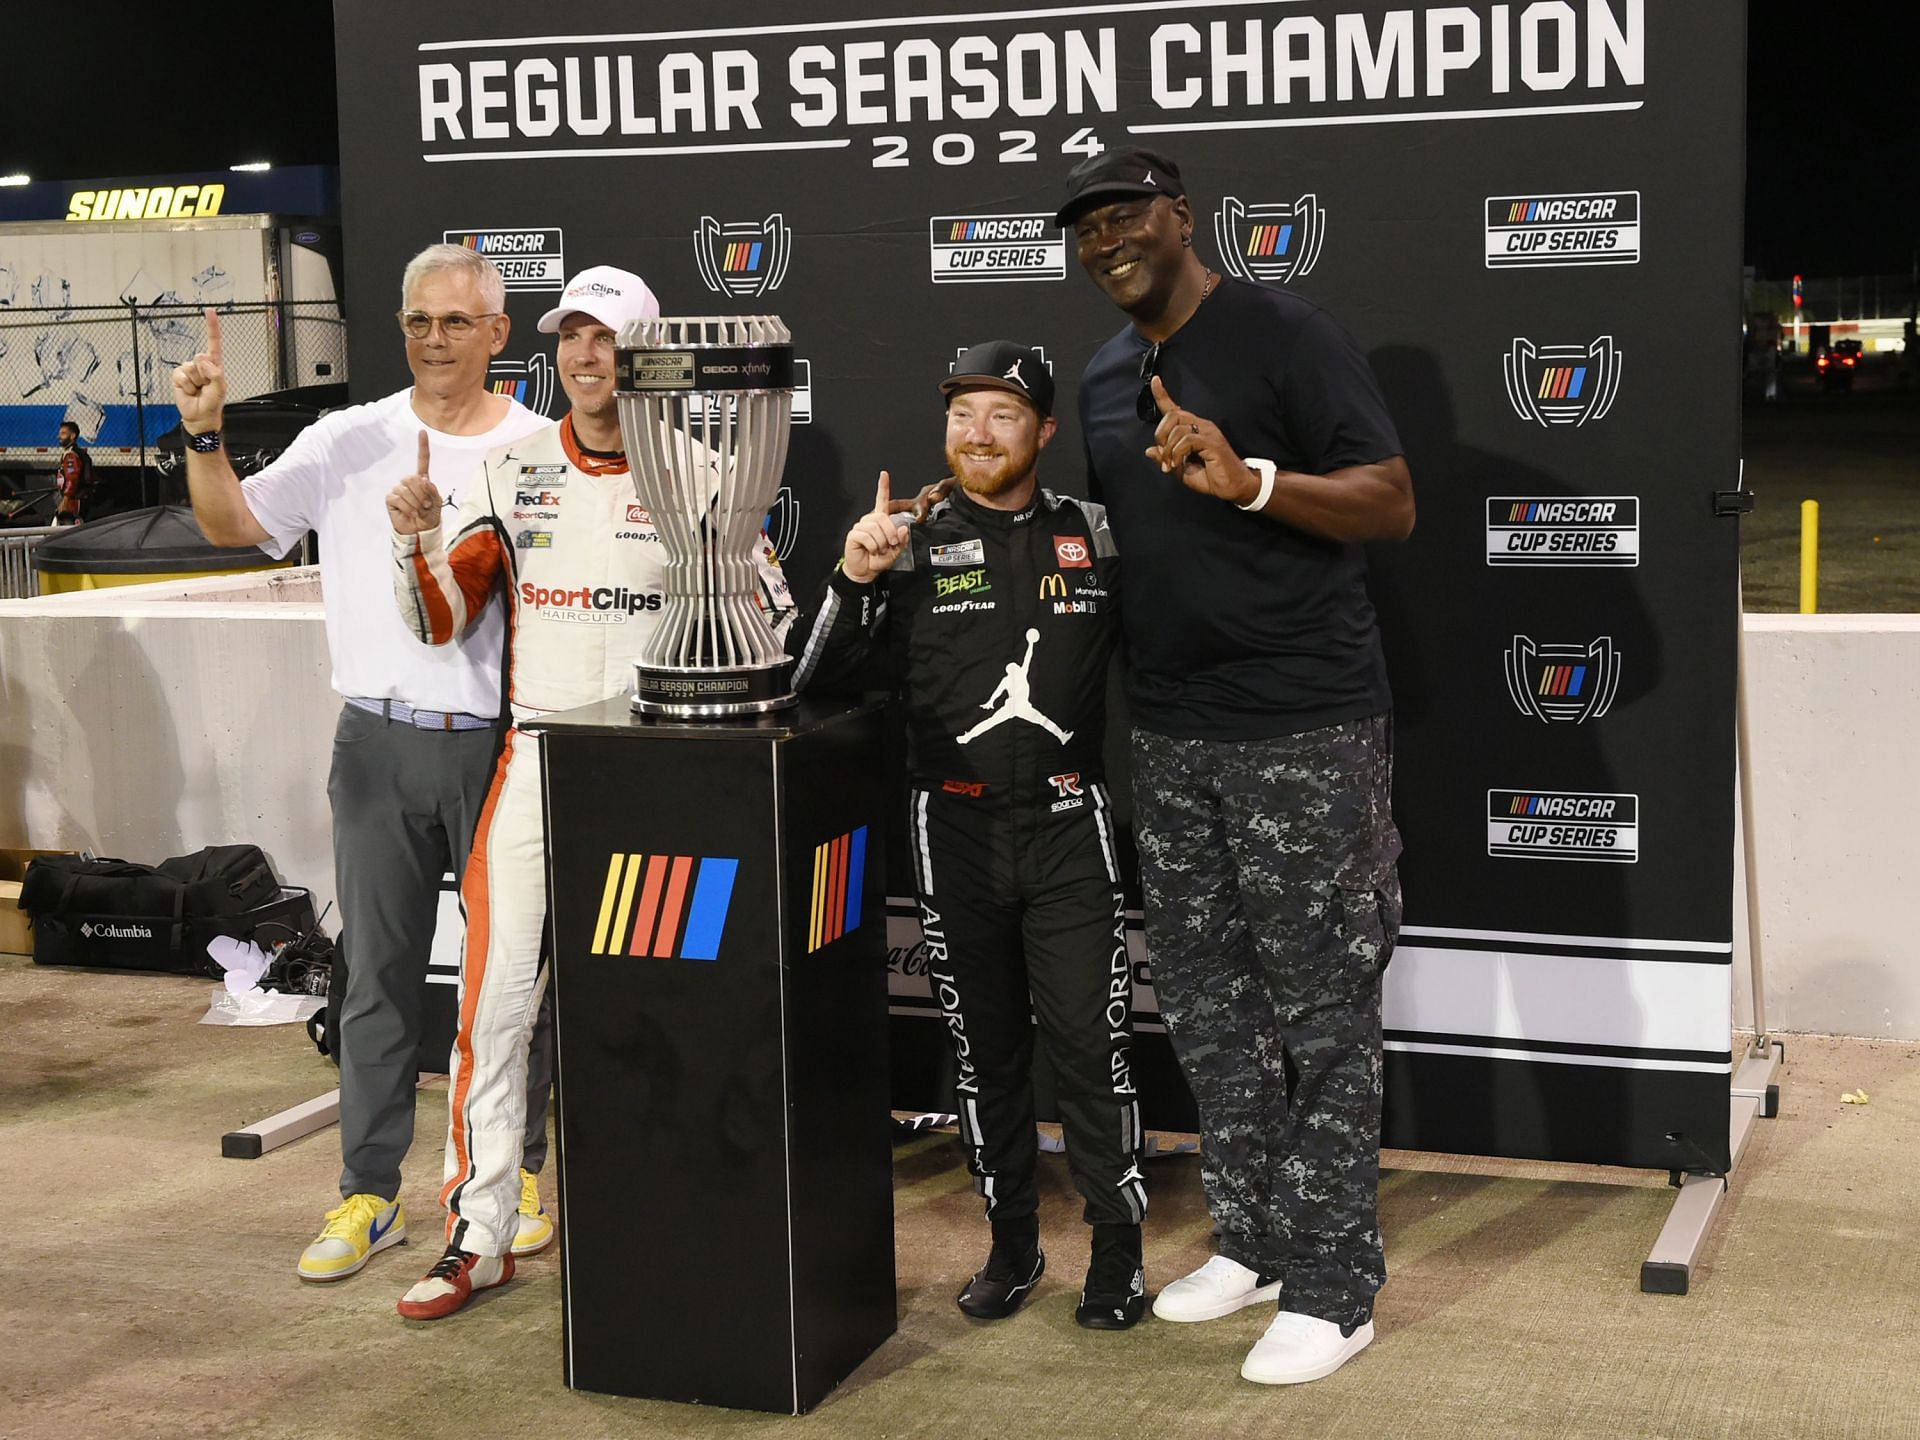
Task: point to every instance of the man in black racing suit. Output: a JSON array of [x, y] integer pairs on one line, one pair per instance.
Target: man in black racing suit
[[996, 619]]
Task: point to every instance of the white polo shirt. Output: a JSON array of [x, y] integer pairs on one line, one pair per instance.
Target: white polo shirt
[[334, 480]]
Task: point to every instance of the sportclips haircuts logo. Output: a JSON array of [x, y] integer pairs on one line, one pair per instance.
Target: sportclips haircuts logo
[[589, 604], [958, 88]]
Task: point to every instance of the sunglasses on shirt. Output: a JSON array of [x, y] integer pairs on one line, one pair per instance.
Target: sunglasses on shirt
[[1144, 405]]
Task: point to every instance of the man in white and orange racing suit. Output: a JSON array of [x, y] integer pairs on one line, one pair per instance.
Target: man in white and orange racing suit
[[555, 520]]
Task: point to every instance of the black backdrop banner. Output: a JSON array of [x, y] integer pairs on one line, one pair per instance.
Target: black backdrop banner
[[1528, 213]]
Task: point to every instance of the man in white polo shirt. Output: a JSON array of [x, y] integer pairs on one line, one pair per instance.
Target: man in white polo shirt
[[420, 728]]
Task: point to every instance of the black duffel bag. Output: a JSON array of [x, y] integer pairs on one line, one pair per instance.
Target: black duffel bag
[[149, 917]]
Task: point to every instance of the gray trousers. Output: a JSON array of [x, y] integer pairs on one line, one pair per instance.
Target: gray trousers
[[405, 804], [1273, 904]]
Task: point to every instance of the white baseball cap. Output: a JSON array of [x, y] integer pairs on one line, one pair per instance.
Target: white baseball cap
[[613, 297]]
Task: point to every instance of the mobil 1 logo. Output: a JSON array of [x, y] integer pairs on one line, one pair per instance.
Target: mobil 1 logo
[[1556, 530], [1563, 825]]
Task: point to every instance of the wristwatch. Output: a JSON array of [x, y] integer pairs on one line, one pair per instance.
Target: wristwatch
[[1265, 470], [205, 443]]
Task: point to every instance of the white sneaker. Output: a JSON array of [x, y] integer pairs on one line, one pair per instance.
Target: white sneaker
[[1298, 1348], [1219, 1287]]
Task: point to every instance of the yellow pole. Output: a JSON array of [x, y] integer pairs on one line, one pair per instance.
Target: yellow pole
[[1809, 557]]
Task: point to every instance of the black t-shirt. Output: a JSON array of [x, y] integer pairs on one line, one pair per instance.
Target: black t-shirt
[[1239, 627]]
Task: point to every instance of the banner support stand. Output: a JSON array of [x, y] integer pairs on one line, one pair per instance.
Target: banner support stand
[[1756, 1093]]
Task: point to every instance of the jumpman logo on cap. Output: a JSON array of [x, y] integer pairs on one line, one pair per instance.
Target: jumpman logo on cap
[[1013, 374], [1147, 179]]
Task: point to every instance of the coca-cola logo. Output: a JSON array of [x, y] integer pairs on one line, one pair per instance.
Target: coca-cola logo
[[908, 960]]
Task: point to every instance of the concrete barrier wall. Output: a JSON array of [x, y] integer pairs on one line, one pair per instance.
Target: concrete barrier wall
[[149, 721], [1834, 706]]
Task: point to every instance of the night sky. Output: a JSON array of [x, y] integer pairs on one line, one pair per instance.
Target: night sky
[[136, 89]]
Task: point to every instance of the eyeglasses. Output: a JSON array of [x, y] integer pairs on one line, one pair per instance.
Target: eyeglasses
[[1144, 405], [418, 324]]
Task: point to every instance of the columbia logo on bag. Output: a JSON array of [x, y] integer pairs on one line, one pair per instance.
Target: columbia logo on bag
[[111, 931]]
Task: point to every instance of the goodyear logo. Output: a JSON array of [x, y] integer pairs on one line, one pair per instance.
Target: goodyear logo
[[839, 867], [742, 257], [1270, 242], [967, 248], [531, 381], [1596, 228], [146, 202], [1562, 384], [1563, 825], [526, 259], [672, 907], [1562, 682], [1549, 530]]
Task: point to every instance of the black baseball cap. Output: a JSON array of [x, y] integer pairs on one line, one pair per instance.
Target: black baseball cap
[[1003, 365], [1117, 175]]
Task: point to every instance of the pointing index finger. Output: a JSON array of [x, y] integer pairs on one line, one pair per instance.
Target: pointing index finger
[[213, 335], [426, 454], [1161, 398], [884, 494]]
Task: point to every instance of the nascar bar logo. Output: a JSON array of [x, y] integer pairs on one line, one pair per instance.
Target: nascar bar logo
[[528, 381], [1269, 242], [526, 259], [997, 247], [1598, 228], [1550, 530], [742, 257], [1562, 384], [1562, 682], [839, 866], [1563, 825], [672, 907]]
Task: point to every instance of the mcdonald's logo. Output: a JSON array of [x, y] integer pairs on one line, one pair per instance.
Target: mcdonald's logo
[[1054, 586], [839, 868], [681, 911]]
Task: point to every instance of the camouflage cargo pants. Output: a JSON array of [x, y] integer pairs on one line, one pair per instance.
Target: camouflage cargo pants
[[1272, 904]]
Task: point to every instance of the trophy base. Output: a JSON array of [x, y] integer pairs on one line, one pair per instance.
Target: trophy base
[[712, 694]]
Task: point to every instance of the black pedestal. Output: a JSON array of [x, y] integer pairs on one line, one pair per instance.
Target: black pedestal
[[720, 1007]]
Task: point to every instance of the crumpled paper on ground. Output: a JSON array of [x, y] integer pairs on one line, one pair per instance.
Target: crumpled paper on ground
[[239, 1000]]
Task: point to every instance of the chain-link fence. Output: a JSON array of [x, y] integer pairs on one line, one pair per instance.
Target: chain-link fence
[[109, 369]]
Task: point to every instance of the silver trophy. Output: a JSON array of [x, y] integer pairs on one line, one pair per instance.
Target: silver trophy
[[704, 408]]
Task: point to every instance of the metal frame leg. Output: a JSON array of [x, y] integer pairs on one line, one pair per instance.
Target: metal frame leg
[[289, 1125]]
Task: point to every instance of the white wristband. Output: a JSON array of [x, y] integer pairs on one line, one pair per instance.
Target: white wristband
[[1265, 470]]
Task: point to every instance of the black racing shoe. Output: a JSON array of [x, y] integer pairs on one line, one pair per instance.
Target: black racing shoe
[[1002, 1283], [1099, 1310], [1115, 1295]]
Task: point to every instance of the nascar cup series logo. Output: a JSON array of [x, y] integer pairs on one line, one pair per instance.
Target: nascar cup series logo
[[526, 259], [1553, 530], [742, 257], [967, 248], [1562, 384], [1563, 825], [1270, 242], [1562, 682], [1599, 228], [530, 382]]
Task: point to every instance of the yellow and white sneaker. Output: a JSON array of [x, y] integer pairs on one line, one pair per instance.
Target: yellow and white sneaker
[[357, 1228], [536, 1227]]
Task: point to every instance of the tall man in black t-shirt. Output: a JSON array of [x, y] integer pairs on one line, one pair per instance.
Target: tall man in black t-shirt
[[1242, 449]]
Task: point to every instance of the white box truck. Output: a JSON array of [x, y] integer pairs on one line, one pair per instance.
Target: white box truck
[[95, 316]]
